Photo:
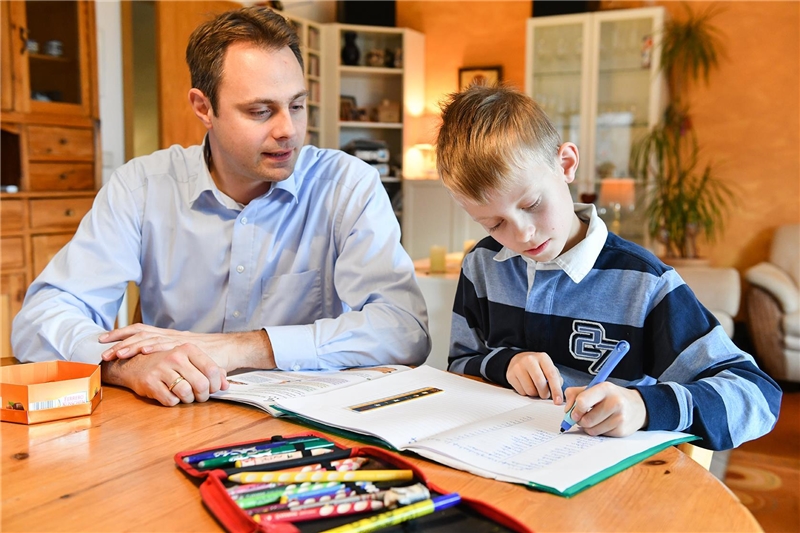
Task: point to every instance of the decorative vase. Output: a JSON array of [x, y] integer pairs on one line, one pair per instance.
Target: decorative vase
[[350, 52]]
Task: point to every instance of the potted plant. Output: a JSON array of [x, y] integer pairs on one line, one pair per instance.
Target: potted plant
[[685, 199]]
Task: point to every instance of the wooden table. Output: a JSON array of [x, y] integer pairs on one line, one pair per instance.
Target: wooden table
[[114, 471]]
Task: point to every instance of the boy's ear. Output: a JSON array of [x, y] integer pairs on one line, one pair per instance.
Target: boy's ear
[[568, 160], [201, 106]]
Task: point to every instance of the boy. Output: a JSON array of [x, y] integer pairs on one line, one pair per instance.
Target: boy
[[543, 300]]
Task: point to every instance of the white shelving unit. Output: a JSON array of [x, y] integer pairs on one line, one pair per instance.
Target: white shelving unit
[[399, 79], [310, 34], [431, 217], [597, 77]]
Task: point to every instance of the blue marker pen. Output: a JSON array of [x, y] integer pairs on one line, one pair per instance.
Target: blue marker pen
[[614, 357]]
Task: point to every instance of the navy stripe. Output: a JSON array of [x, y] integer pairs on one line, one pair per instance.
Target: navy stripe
[[709, 417], [625, 255], [490, 244], [675, 323], [660, 402]]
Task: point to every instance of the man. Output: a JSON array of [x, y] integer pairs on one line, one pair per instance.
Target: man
[[250, 250]]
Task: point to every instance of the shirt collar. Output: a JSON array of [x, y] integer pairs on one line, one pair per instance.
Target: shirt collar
[[577, 262], [205, 182]]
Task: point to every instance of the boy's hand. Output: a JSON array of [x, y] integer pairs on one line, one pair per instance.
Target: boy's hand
[[534, 374], [607, 409]]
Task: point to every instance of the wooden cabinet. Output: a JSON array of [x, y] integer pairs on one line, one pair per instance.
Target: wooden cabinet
[[49, 128], [35, 226]]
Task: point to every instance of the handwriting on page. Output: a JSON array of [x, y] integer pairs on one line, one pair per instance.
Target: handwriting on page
[[514, 443]]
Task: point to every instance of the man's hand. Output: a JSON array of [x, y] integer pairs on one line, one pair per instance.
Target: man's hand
[[607, 409], [534, 374], [230, 351], [182, 374]]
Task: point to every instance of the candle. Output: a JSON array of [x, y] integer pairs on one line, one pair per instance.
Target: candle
[[468, 245], [438, 259]]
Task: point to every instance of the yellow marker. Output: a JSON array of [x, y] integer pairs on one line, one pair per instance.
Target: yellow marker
[[322, 475], [399, 515]]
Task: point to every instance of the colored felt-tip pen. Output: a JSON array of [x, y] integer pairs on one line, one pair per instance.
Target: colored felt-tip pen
[[279, 457], [230, 460], [399, 515], [614, 357], [322, 475], [246, 450]]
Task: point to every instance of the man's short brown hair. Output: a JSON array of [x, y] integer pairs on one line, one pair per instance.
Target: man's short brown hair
[[487, 130], [258, 25]]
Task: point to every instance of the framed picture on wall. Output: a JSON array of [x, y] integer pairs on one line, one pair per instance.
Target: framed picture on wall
[[486, 75]]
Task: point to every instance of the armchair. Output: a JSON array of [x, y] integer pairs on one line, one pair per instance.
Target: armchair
[[772, 303], [718, 289]]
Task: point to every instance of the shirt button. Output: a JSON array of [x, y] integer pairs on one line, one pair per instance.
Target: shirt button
[[236, 314], [240, 269], [296, 366], [244, 220]]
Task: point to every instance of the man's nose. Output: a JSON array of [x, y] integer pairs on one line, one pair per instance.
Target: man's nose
[[283, 125]]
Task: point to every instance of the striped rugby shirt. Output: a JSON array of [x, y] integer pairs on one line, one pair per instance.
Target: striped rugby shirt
[[575, 308]]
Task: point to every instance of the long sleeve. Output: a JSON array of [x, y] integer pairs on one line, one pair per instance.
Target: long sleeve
[[78, 295], [706, 385], [471, 351], [316, 261], [385, 318]]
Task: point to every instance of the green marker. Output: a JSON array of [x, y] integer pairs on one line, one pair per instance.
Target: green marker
[[231, 459]]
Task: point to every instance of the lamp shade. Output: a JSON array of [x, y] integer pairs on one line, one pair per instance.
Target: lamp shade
[[618, 192]]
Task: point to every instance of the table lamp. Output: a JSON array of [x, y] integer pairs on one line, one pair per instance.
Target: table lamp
[[617, 193]]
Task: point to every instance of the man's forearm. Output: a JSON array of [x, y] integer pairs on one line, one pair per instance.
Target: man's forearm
[[251, 349]]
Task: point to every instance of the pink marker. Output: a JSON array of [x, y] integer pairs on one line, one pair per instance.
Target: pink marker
[[325, 511]]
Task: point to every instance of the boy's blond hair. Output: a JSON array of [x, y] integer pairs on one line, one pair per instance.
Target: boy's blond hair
[[486, 132]]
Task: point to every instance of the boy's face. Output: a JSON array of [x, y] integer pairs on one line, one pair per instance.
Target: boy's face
[[535, 216]]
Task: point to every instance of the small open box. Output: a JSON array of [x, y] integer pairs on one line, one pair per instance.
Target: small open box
[[40, 392]]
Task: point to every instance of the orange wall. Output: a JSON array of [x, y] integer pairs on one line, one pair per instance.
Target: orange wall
[[467, 34], [748, 120]]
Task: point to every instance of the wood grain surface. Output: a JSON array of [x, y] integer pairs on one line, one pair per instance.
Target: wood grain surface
[[114, 471]]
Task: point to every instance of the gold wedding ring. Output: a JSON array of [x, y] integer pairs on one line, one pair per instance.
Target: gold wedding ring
[[177, 380]]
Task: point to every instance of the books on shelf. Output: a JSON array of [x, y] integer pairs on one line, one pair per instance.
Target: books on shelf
[[478, 427], [262, 388]]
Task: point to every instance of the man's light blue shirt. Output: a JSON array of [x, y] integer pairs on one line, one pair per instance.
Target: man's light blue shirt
[[316, 261]]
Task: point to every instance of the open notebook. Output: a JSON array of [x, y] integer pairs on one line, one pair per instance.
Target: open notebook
[[262, 388], [478, 427]]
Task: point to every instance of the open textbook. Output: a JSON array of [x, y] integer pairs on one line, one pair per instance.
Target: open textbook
[[262, 388], [478, 427]]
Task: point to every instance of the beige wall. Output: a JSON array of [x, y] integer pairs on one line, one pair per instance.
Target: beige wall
[[748, 120]]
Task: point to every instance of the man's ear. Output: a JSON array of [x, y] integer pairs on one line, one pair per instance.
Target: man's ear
[[201, 106], [568, 160]]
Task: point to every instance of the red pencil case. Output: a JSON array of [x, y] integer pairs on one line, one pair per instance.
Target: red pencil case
[[469, 515]]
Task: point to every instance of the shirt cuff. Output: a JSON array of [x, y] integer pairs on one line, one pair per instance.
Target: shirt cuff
[[293, 347], [89, 350], [497, 366], [662, 407]]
